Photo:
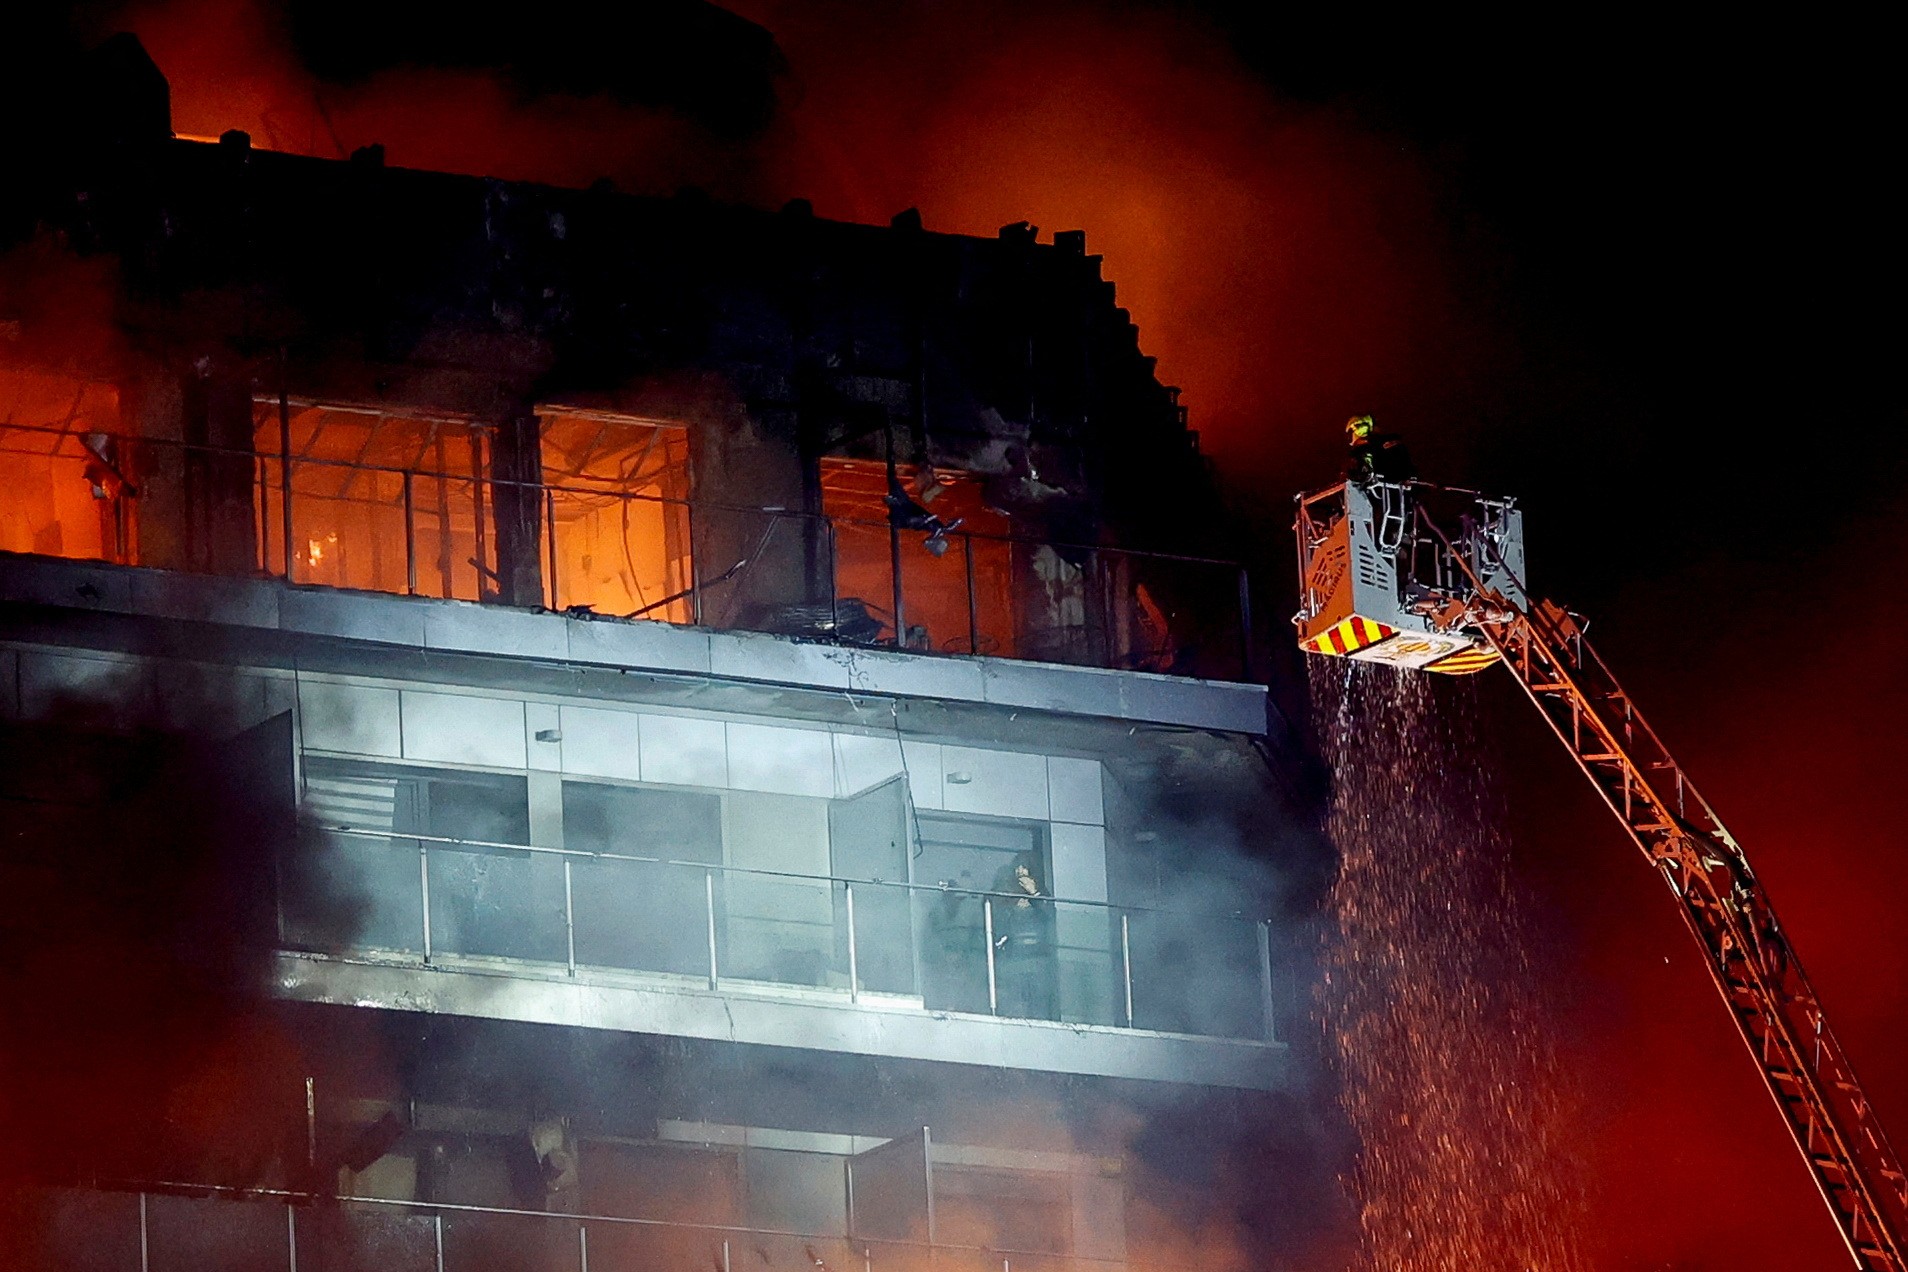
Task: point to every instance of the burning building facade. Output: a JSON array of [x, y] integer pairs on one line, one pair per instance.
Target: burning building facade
[[721, 738]]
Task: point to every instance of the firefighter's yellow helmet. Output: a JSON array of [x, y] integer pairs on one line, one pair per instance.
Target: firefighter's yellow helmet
[[1358, 428]]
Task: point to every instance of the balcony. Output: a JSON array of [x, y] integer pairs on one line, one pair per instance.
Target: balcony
[[213, 1229], [415, 515], [928, 971]]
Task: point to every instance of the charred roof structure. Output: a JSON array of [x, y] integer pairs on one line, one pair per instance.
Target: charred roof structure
[[618, 732]]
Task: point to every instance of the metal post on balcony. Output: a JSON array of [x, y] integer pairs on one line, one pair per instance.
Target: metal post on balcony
[[549, 507], [993, 989], [1266, 1005], [725, 1255], [569, 917], [285, 464], [1126, 964], [145, 1240], [410, 537], [311, 1122], [695, 571], [834, 581], [973, 599], [437, 1230], [1245, 625], [894, 565], [291, 1238], [582, 1248], [854, 969], [708, 881], [424, 891]]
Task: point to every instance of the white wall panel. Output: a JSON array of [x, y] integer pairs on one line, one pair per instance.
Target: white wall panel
[[598, 743], [998, 783], [685, 751], [454, 728], [1079, 862], [1073, 791], [863, 762], [925, 780], [113, 692], [354, 719], [543, 717], [764, 757]]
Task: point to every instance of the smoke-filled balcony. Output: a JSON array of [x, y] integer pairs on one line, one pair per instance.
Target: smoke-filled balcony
[[185, 1226], [615, 918]]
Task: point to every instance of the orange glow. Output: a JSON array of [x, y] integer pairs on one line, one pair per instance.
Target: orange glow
[[365, 483], [618, 521], [64, 488], [934, 589]]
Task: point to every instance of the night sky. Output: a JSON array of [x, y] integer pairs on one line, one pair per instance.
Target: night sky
[[1629, 268]]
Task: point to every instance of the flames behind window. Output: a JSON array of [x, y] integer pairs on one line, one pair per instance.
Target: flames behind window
[[380, 500], [617, 516], [65, 484], [934, 588]]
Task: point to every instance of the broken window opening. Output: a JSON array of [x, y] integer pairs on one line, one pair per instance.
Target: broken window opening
[[617, 514], [384, 501], [959, 601], [67, 481]]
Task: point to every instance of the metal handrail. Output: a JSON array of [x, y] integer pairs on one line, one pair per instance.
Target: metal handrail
[[629, 496], [366, 832], [1260, 928], [294, 1199]]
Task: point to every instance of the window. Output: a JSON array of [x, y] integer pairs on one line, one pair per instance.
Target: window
[[618, 520], [649, 916], [366, 889], [387, 501], [935, 592], [66, 486]]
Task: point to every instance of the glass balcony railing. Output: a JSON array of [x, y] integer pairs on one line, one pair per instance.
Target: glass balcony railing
[[213, 1229], [613, 553], [443, 901]]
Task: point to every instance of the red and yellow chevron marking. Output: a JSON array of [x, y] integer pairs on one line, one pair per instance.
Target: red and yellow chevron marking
[[1343, 638], [1465, 661]]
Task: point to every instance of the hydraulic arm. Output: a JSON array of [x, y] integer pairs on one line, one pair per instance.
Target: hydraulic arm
[[1455, 561]]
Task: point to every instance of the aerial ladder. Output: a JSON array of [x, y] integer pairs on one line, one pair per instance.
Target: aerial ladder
[[1430, 578]]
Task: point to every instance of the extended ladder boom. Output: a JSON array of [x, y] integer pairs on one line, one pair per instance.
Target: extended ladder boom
[[1745, 949], [1425, 577]]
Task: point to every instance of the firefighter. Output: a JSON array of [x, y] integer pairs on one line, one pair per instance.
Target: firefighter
[[1374, 456]]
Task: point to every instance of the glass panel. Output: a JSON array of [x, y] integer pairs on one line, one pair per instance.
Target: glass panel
[[358, 889], [496, 902], [191, 1234], [71, 1230], [780, 929], [868, 840], [509, 1243], [642, 916], [349, 1238], [1091, 988], [647, 1248], [1002, 1209], [884, 938], [1196, 974], [796, 1192], [953, 950]]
